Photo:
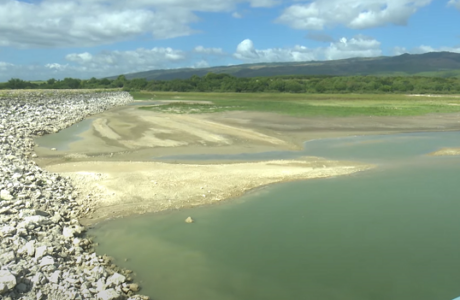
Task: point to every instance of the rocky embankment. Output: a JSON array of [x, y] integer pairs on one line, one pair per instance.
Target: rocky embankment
[[43, 254]]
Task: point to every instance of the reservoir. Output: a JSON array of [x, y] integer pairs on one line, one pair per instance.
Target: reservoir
[[388, 233]]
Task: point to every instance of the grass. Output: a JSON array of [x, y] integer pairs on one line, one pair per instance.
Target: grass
[[340, 105]]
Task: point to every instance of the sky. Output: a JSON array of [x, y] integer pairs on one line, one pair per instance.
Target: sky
[[42, 39]]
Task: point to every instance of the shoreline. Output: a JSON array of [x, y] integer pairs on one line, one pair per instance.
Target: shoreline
[[43, 253], [154, 186]]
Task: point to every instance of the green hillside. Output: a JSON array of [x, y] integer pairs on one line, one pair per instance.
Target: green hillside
[[437, 64]]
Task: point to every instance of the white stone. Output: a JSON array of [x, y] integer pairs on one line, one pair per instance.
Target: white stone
[[7, 281], [6, 195], [40, 252], [116, 279], [54, 278], [70, 232], [47, 261], [7, 231], [109, 294]]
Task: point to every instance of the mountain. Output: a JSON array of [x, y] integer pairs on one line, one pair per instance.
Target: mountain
[[441, 64]]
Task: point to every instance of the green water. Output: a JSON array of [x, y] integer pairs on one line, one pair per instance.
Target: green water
[[63, 138], [390, 233]]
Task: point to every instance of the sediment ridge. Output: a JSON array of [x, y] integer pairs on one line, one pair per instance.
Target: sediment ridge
[[43, 254]]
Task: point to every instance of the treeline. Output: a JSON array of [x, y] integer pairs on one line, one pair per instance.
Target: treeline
[[283, 84]]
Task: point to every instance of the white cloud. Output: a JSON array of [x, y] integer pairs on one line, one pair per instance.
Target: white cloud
[[201, 64], [214, 51], [455, 3], [237, 15], [358, 46], [68, 23], [425, 49], [246, 51], [355, 14]]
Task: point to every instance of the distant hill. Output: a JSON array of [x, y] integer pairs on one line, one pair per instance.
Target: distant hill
[[438, 64]]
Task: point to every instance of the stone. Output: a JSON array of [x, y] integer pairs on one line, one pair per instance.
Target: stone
[[109, 294], [7, 257], [54, 278], [47, 261], [115, 279], [5, 195], [7, 231], [70, 232], [21, 288], [30, 248], [7, 281], [40, 252], [134, 287], [189, 220]]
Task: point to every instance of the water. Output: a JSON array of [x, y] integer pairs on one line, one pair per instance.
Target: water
[[63, 138], [390, 233]]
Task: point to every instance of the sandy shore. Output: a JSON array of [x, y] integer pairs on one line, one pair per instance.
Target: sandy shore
[[125, 188], [114, 165]]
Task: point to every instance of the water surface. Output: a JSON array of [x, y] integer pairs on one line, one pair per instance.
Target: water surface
[[389, 233]]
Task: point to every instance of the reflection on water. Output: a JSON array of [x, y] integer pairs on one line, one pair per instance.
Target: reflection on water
[[63, 138], [390, 233]]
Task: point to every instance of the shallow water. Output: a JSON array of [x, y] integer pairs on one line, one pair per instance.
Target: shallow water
[[389, 233], [63, 138]]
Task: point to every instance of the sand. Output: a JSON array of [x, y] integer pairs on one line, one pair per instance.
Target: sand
[[114, 163]]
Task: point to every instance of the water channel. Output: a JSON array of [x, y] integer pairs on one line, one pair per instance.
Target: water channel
[[389, 233]]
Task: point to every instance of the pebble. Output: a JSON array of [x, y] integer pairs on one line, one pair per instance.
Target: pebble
[[43, 254]]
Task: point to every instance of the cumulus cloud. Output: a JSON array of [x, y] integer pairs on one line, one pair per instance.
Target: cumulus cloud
[[354, 14], [210, 51], [68, 23], [246, 51], [359, 46]]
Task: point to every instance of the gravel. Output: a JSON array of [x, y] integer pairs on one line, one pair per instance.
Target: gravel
[[43, 252]]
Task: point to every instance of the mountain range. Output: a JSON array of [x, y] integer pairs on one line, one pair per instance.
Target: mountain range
[[438, 64]]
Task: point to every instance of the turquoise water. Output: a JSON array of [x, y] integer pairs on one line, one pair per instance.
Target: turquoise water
[[390, 233], [63, 138]]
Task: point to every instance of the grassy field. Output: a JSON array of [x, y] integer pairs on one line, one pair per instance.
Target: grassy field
[[305, 104]]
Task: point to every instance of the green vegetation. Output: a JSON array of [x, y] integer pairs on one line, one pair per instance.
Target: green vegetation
[[304, 105], [277, 84]]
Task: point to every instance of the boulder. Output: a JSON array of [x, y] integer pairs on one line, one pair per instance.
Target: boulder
[[109, 294], [7, 281], [189, 220], [115, 279], [5, 195]]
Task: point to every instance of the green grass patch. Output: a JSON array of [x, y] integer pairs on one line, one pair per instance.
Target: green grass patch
[[340, 105]]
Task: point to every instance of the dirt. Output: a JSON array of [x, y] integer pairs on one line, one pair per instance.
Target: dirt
[[114, 162], [124, 188]]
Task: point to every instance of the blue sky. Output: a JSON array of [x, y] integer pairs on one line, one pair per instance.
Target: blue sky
[[42, 39]]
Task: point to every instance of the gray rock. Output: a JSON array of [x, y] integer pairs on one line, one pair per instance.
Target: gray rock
[[7, 281], [47, 261], [7, 231], [5, 195], [109, 294], [115, 279], [40, 252], [7, 257]]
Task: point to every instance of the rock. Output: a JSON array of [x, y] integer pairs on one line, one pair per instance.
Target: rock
[[189, 220], [115, 279], [40, 252], [30, 248], [109, 294], [53, 149], [70, 232], [47, 261], [134, 287], [7, 231], [7, 257], [7, 281], [5, 195], [54, 278], [21, 288]]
